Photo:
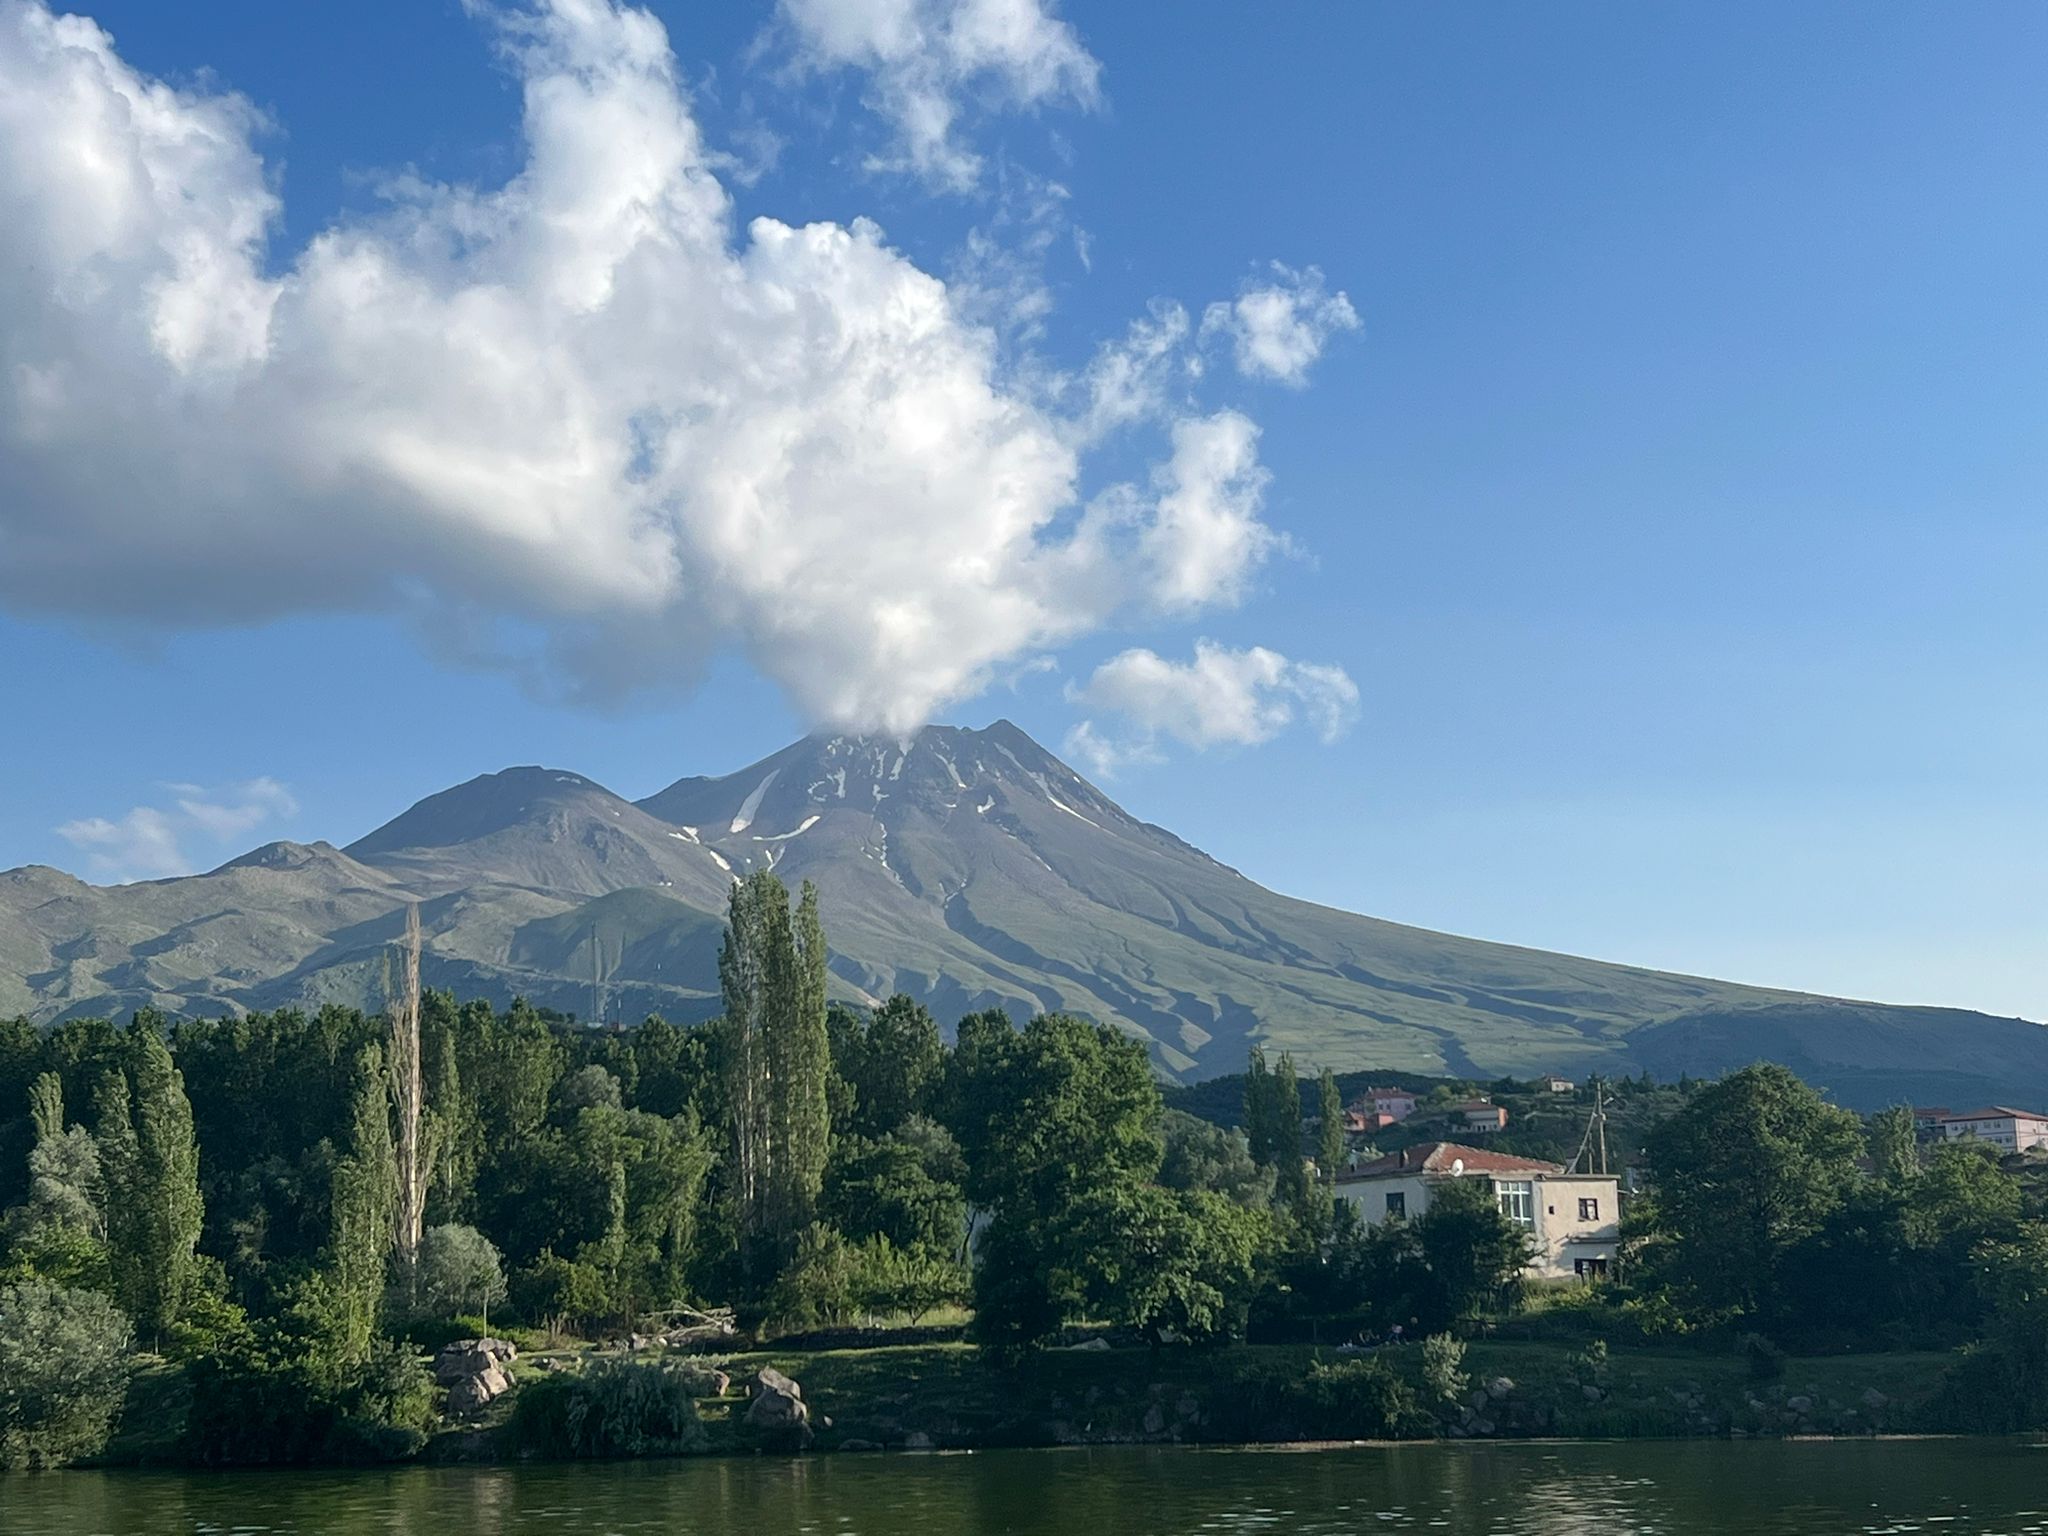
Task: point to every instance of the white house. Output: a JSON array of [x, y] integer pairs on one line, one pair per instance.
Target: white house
[[1573, 1219], [2009, 1130]]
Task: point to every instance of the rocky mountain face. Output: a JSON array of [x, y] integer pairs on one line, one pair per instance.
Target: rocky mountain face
[[971, 869]]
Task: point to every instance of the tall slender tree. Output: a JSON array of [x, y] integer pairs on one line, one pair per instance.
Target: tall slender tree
[[363, 1213], [778, 1062], [1258, 1108], [1329, 1125], [408, 1101], [149, 1160]]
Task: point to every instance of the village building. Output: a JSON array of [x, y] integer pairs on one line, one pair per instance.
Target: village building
[[2009, 1130], [1393, 1104], [1479, 1117], [1573, 1219], [1552, 1083]]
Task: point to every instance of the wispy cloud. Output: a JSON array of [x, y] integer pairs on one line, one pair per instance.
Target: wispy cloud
[[1278, 327], [928, 62], [153, 842], [1221, 697]]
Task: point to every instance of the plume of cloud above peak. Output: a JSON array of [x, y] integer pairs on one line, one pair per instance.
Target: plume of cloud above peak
[[927, 61], [150, 842], [1221, 697], [582, 426]]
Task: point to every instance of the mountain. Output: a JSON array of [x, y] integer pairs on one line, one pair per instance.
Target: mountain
[[969, 868]]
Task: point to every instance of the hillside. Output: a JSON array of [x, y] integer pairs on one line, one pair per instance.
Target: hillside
[[969, 868]]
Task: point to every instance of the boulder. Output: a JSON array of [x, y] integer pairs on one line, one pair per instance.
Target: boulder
[[703, 1381], [1874, 1399], [768, 1379], [918, 1440], [471, 1357], [858, 1444], [1799, 1405], [470, 1393], [1499, 1388]]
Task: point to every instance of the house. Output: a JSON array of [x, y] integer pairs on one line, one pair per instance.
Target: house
[[1363, 1122], [1552, 1083], [2009, 1130], [1927, 1121], [1573, 1219], [1479, 1117], [1396, 1104]]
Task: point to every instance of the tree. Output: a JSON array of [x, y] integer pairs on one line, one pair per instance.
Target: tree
[[1172, 1265], [1261, 1134], [63, 1373], [59, 1233], [1204, 1156], [903, 1188], [410, 1158], [1329, 1125], [772, 976], [1751, 1166], [892, 1063], [460, 1272], [1894, 1145], [1471, 1256], [150, 1161], [1050, 1118], [363, 1211]]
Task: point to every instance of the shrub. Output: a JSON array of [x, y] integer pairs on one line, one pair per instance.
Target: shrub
[[1443, 1368], [460, 1270], [1589, 1365], [817, 1288], [1766, 1360], [1359, 1399], [63, 1373], [264, 1400], [614, 1408]]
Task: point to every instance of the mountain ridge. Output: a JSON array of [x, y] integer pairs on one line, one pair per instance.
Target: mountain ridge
[[970, 868]]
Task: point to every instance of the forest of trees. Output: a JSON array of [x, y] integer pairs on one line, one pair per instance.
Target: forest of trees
[[289, 1207]]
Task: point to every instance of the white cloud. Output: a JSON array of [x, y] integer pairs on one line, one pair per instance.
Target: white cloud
[[928, 60], [1221, 697], [1279, 328], [149, 842], [580, 425]]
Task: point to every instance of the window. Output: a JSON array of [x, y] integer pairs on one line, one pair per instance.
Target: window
[[1517, 1200], [1589, 1269], [1589, 1210], [1397, 1205]]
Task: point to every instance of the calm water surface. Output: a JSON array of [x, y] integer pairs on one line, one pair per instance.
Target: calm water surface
[[1944, 1488]]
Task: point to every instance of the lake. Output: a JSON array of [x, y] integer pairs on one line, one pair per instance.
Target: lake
[[1955, 1487]]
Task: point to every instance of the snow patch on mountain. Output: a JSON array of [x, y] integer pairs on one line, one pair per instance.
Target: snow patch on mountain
[[752, 803]]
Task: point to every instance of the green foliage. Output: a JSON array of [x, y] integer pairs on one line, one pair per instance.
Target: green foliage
[[904, 1188], [63, 1373], [1471, 1256], [1751, 1167], [1359, 1399], [277, 1396], [150, 1162], [890, 1065], [1051, 1118], [777, 1067], [460, 1270], [559, 1293], [1765, 1359], [613, 1408], [1203, 1156], [1894, 1145], [364, 1209], [1329, 1125], [815, 1289], [912, 1281], [1443, 1368], [1169, 1264]]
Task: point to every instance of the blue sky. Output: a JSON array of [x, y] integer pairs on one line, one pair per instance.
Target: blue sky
[[1674, 506]]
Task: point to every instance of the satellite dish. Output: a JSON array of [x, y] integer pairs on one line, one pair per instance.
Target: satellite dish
[[1457, 1166]]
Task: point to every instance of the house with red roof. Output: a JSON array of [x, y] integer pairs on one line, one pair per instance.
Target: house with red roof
[[1573, 1219]]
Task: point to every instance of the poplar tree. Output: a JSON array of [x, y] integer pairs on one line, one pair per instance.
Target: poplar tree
[[778, 1064], [1330, 1125], [363, 1213], [149, 1161], [1258, 1108], [1292, 1181]]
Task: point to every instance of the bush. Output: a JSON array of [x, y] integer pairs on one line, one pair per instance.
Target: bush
[[460, 1270], [1359, 1399], [1443, 1368], [614, 1408], [1766, 1360], [817, 1288], [264, 1401], [63, 1373]]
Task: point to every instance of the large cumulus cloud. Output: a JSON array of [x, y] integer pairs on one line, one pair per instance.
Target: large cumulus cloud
[[585, 406]]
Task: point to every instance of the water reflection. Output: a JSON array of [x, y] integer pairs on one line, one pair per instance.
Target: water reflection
[[1963, 1488]]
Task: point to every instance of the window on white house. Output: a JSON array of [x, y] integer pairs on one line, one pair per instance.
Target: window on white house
[[1589, 1210], [1517, 1200], [1397, 1205]]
